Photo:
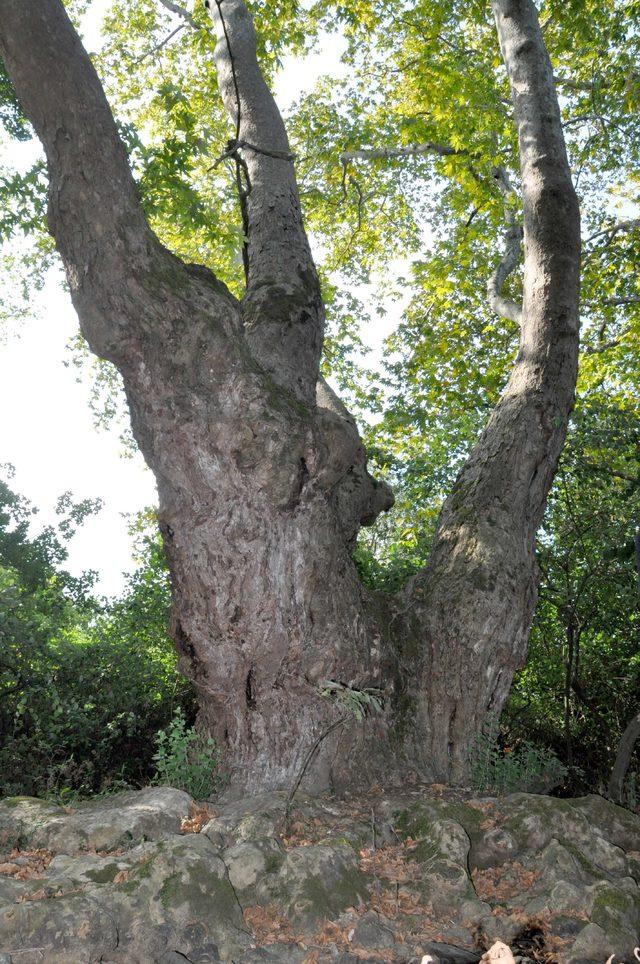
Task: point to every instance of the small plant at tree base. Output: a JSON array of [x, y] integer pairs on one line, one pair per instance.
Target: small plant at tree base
[[357, 702], [187, 760], [527, 768]]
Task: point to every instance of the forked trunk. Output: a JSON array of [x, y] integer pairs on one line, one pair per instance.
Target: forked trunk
[[261, 473]]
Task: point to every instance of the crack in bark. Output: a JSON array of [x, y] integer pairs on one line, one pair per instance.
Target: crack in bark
[[250, 699]]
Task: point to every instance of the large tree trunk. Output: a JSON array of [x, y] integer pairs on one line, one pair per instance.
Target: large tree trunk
[[261, 473]]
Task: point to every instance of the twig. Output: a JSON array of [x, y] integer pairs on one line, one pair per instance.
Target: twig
[[235, 145], [616, 228], [630, 300], [181, 12], [409, 150], [602, 347], [163, 43], [303, 769]]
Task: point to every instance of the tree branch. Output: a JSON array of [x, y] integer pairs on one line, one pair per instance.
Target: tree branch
[[511, 256], [604, 346], [610, 232], [513, 233], [278, 248], [180, 12], [160, 45], [629, 300], [409, 150], [112, 259], [94, 210], [477, 595], [281, 275]]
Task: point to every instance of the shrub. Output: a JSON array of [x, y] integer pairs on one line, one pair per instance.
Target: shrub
[[187, 760], [85, 684], [527, 767]]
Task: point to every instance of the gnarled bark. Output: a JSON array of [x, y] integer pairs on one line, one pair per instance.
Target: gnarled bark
[[261, 473], [623, 759]]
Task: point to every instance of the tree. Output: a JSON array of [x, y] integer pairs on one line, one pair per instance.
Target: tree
[[261, 472]]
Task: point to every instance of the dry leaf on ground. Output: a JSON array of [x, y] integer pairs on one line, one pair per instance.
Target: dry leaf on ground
[[32, 864], [198, 818]]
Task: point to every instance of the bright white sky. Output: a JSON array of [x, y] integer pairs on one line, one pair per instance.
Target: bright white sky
[[49, 435]]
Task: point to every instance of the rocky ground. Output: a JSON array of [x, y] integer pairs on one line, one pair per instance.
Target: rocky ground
[[151, 876]]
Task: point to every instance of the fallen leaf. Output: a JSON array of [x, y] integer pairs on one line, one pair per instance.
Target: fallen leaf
[[198, 818]]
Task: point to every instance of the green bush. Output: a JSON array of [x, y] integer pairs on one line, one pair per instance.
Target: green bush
[[187, 760], [527, 767], [84, 685]]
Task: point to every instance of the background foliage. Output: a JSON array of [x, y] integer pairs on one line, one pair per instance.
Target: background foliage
[[84, 685]]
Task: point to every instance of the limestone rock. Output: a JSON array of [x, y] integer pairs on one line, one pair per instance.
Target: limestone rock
[[249, 862], [373, 932], [119, 820], [117, 880], [315, 883]]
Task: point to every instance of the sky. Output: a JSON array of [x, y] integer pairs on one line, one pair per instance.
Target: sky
[[50, 437]]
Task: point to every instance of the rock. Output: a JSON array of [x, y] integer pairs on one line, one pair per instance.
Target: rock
[[69, 871], [474, 913], [249, 861], [566, 927], [563, 896], [616, 909], [168, 895], [592, 946], [441, 953], [22, 816], [446, 885], [608, 856], [66, 927], [315, 883], [248, 818], [154, 894], [622, 826], [282, 954], [558, 863], [492, 848], [448, 839], [372, 932], [121, 820], [11, 890]]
